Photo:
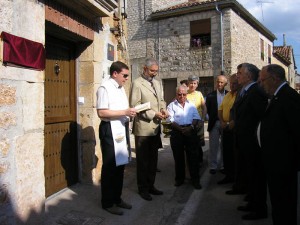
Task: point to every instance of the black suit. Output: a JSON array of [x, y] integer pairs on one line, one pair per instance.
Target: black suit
[[212, 109], [279, 135], [248, 112]]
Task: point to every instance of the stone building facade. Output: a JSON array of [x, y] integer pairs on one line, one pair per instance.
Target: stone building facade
[[284, 56], [92, 32], [165, 32]]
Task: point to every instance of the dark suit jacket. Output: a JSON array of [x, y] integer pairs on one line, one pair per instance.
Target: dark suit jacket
[[248, 112], [212, 109], [280, 132]]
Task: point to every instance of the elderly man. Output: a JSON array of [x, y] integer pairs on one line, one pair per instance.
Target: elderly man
[[213, 101], [146, 127], [184, 118], [278, 136], [250, 106]]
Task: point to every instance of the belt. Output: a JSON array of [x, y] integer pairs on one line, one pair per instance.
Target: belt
[[185, 125]]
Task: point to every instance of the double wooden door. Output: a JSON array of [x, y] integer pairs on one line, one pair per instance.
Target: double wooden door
[[60, 153]]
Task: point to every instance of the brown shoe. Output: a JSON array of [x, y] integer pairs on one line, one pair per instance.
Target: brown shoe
[[124, 205], [114, 210]]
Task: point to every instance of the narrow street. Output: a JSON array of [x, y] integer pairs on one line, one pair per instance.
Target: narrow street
[[80, 204]]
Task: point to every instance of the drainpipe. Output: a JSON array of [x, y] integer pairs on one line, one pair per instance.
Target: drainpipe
[[222, 49]]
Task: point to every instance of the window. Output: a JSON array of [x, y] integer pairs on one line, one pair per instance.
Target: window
[[200, 33], [269, 54], [262, 50]]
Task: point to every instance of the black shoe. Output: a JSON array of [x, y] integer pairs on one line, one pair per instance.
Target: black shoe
[[154, 191], [146, 196], [114, 210], [235, 192], [158, 170], [255, 216], [178, 183], [247, 198], [197, 185], [212, 171], [225, 180], [222, 171], [245, 208], [124, 205]]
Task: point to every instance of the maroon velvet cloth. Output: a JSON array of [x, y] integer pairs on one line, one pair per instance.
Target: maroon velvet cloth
[[22, 52]]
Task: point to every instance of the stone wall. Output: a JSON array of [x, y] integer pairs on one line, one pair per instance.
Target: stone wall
[[168, 40], [22, 191], [241, 43]]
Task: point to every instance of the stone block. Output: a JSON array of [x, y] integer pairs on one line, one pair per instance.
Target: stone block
[[4, 147], [7, 95], [4, 166], [7, 119], [87, 92], [86, 71], [33, 106]]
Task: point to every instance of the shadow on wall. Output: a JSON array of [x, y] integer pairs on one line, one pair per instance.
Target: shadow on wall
[[88, 158]]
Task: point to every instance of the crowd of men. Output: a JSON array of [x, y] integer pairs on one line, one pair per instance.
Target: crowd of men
[[253, 131]]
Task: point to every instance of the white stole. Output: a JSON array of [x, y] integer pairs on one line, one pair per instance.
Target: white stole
[[118, 102]]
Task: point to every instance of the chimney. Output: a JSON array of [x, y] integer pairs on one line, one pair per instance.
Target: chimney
[[284, 43]]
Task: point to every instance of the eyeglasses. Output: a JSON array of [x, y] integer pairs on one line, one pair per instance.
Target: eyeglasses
[[262, 80], [152, 71], [179, 94], [125, 75]]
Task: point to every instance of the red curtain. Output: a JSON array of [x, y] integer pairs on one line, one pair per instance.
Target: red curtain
[[22, 52]]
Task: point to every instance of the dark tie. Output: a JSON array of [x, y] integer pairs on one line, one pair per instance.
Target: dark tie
[[151, 82]]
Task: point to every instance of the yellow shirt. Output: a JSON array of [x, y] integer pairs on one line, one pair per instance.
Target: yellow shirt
[[226, 105], [197, 99]]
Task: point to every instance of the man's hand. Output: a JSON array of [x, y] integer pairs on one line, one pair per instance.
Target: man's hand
[[165, 113], [131, 112], [159, 115]]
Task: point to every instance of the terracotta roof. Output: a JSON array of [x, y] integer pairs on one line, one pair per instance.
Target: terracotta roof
[[186, 5], [283, 52]]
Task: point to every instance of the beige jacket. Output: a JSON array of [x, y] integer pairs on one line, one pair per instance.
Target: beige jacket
[[144, 123]]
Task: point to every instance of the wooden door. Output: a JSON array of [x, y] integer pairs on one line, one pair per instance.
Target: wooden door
[[60, 153]]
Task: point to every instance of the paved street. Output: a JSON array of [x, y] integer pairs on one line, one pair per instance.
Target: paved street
[[80, 204]]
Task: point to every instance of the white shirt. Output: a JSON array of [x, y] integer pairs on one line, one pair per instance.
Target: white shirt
[[111, 96], [220, 97], [183, 115]]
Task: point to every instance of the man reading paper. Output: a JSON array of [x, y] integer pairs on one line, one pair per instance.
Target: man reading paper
[[113, 110]]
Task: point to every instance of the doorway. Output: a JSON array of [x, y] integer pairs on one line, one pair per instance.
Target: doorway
[[60, 150]]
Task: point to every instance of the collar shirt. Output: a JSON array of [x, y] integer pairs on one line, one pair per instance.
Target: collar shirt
[[183, 115], [220, 97], [111, 96], [280, 86]]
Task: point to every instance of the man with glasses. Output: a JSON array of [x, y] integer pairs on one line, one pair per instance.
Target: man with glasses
[[146, 127], [250, 106], [184, 118], [113, 110]]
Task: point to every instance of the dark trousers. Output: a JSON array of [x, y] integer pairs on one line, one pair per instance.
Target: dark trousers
[[179, 144], [111, 175], [283, 196], [146, 160], [228, 152], [251, 157]]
